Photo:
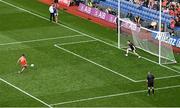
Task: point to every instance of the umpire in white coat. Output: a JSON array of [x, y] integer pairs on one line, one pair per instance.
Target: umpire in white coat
[[51, 10]]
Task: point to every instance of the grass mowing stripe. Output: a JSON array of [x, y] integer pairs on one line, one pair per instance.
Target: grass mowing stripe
[[38, 40], [84, 34], [70, 43], [177, 67], [113, 95], [94, 63], [46, 104], [158, 78]]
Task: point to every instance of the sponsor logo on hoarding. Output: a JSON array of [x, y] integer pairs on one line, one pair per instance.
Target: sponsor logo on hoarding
[[97, 13], [130, 25], [165, 37], [178, 43]]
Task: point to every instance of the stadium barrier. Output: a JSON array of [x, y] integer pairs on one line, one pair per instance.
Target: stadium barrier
[[97, 13]]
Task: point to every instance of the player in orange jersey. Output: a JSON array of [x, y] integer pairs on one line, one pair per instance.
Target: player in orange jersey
[[23, 62]]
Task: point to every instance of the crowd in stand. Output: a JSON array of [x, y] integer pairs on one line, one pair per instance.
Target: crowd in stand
[[95, 4], [171, 7]]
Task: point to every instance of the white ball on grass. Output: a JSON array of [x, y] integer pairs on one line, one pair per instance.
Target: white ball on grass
[[32, 65]]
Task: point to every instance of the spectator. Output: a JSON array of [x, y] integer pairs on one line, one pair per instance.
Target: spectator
[[162, 28], [156, 6], [164, 3], [90, 3], [108, 10], [172, 33], [153, 25], [166, 10], [177, 22], [150, 4], [172, 24], [171, 11], [129, 15], [146, 3], [136, 1], [137, 19]]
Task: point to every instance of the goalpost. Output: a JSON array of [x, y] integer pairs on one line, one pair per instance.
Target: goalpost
[[156, 43]]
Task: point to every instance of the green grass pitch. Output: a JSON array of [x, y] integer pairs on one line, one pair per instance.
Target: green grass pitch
[[76, 64]]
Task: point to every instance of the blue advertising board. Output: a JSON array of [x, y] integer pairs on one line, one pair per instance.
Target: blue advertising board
[[165, 37]]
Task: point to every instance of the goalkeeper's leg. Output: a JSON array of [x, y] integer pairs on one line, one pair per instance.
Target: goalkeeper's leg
[[134, 51], [127, 51]]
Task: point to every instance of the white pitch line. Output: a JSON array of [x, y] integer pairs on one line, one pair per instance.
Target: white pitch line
[[94, 63], [155, 62], [161, 65], [38, 40], [46, 104], [159, 78], [70, 43], [113, 95], [81, 33]]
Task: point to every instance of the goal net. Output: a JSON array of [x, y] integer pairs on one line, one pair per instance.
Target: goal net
[[153, 42]]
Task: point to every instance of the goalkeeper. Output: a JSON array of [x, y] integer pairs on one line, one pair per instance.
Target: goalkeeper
[[132, 48]]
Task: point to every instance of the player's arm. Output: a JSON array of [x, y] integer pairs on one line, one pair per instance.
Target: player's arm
[[18, 60], [147, 79]]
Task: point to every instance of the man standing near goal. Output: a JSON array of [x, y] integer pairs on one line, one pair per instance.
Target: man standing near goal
[[51, 11], [150, 83], [132, 48]]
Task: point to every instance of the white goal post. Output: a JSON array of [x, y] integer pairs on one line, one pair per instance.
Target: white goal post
[[154, 42]]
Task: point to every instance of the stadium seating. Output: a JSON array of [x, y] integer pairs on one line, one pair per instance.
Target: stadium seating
[[143, 12], [136, 10]]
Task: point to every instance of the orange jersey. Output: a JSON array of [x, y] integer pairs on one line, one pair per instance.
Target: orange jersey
[[23, 61]]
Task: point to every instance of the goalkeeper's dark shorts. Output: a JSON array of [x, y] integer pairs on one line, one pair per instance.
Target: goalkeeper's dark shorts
[[150, 84]]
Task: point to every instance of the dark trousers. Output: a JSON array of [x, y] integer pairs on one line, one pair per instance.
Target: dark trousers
[[55, 1], [52, 17]]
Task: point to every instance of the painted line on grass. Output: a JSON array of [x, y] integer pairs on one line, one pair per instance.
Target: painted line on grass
[[161, 65], [46, 104], [112, 95], [155, 63], [71, 43], [94, 63], [32, 13], [38, 40], [159, 78]]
